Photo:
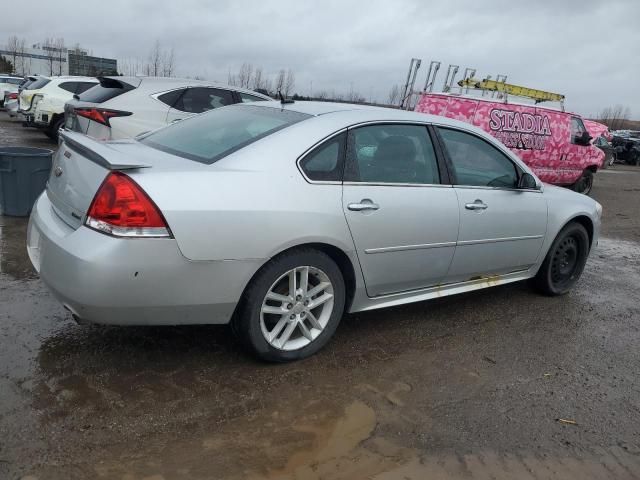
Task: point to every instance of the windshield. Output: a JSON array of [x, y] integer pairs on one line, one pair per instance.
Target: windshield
[[208, 137]]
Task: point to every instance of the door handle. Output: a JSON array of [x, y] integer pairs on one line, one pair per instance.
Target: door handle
[[364, 204], [477, 205]]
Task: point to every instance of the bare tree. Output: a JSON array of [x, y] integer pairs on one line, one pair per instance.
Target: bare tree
[[279, 86], [49, 52], [289, 83], [322, 95], [60, 53], [13, 49], [257, 79], [394, 95], [614, 116], [168, 63], [153, 67]]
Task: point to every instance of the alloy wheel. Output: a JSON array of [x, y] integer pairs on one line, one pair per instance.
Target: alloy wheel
[[297, 308]]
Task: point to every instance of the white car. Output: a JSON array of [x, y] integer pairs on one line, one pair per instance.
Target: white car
[[124, 107], [8, 84], [43, 101]]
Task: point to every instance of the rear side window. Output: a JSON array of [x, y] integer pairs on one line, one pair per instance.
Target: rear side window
[[476, 162], [15, 81], [325, 163], [37, 84], [202, 99], [172, 97], [209, 137], [245, 97], [391, 154], [106, 90], [69, 86], [84, 86]]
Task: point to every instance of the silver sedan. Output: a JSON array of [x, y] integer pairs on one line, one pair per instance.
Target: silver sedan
[[279, 218]]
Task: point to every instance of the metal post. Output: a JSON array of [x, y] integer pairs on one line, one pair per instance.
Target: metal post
[[452, 71], [434, 66], [411, 78]]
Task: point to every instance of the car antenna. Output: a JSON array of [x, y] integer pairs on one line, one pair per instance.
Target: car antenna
[[284, 100]]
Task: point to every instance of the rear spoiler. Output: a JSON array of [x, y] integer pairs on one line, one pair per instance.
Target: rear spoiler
[[98, 152]]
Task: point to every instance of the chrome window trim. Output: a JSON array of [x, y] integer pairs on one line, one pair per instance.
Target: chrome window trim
[[382, 184], [504, 189]]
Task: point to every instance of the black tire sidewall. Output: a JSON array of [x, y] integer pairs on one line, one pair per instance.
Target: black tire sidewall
[[544, 275], [247, 323], [586, 175]]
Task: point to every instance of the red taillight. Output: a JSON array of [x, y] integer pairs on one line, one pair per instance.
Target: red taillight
[[12, 96], [100, 115], [121, 208]]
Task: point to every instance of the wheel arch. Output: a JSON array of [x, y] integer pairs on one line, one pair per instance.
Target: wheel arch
[[586, 222], [337, 254]]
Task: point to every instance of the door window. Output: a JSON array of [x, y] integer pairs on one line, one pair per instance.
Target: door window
[[391, 154], [202, 99], [476, 162], [578, 130], [325, 162]]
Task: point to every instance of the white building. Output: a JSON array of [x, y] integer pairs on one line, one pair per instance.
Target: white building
[[46, 60]]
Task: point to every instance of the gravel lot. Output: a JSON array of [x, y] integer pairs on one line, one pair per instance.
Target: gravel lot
[[502, 383]]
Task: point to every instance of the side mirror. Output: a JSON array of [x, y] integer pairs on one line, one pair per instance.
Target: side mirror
[[527, 182], [583, 139]]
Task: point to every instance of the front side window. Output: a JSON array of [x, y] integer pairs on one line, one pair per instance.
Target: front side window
[[392, 153], [476, 162], [209, 137], [578, 130], [202, 99], [325, 162]]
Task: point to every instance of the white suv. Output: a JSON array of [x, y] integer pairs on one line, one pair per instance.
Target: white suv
[[42, 102], [8, 84], [124, 107]]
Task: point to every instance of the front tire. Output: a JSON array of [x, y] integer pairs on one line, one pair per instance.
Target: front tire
[[584, 184], [564, 262], [292, 306], [52, 131]]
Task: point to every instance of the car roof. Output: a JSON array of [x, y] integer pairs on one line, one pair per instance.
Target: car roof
[[158, 84], [361, 113]]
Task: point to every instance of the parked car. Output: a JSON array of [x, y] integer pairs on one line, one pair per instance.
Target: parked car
[[278, 218], [608, 149], [11, 103], [42, 102], [553, 143], [627, 146], [123, 107], [8, 84]]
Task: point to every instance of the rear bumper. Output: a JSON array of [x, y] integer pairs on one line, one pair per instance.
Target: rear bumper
[[107, 280]]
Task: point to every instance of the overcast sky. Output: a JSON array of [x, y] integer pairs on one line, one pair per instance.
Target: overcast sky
[[588, 50]]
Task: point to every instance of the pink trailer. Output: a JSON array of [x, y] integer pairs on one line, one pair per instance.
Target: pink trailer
[[555, 144]]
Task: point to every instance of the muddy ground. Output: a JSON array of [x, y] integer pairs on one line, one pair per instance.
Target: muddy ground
[[502, 383]]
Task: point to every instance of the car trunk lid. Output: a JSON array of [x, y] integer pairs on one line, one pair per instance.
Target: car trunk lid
[[79, 167]]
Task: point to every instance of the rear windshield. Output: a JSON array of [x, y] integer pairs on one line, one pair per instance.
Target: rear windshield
[[208, 137], [37, 84], [105, 90]]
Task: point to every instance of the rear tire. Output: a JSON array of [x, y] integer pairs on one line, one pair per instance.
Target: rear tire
[[564, 262], [584, 184], [281, 319], [52, 131]]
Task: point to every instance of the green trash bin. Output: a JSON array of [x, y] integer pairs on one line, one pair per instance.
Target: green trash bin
[[23, 176]]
